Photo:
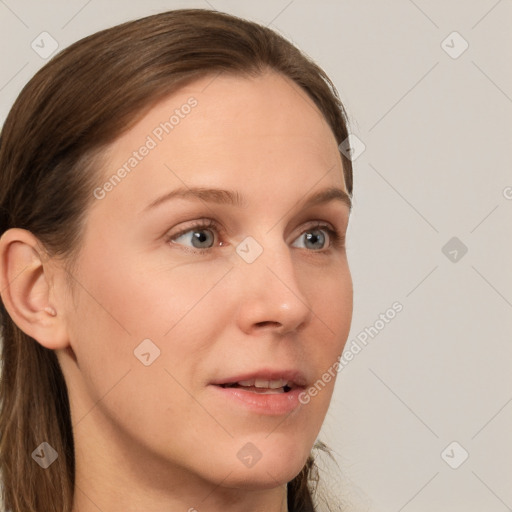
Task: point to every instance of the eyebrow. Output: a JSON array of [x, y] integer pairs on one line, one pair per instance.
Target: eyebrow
[[234, 198]]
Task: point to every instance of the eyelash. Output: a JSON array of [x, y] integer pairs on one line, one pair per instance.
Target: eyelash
[[337, 239]]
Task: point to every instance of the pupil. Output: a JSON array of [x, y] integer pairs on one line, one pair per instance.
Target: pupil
[[200, 236], [316, 237]]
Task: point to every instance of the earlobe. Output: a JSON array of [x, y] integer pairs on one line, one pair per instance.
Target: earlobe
[[25, 278]]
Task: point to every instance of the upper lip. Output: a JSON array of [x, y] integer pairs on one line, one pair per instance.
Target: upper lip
[[295, 378]]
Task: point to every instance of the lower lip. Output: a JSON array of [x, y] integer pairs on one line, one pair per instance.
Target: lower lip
[[272, 404]]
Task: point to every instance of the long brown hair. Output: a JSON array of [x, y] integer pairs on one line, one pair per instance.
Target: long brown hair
[[50, 158]]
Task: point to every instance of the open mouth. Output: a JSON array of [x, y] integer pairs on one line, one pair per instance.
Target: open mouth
[[264, 387], [269, 392]]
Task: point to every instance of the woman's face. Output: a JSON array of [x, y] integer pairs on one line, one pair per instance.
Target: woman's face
[[198, 321]]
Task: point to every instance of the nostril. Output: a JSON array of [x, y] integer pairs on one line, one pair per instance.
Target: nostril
[[268, 324]]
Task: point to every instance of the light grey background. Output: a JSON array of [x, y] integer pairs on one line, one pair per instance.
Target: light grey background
[[437, 131]]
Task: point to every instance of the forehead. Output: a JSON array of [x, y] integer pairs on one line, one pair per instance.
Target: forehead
[[244, 133]]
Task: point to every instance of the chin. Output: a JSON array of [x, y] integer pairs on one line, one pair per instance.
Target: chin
[[280, 462], [260, 479]]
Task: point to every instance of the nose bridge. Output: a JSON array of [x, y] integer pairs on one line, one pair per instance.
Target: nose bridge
[[272, 293], [267, 255]]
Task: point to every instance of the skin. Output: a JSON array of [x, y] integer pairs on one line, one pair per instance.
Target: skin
[[157, 437]]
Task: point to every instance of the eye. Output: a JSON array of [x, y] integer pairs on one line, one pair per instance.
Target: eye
[[200, 236], [319, 237]]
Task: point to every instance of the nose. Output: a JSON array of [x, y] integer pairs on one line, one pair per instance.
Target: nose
[[271, 298]]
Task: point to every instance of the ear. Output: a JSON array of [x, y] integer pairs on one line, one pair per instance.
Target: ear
[[26, 275]]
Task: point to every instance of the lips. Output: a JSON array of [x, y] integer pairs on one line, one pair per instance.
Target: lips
[[265, 379], [261, 392]]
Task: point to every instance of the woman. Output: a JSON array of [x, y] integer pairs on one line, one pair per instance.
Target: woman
[[173, 274]]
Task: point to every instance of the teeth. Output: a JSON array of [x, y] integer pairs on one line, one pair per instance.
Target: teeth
[[261, 383], [248, 383], [274, 384]]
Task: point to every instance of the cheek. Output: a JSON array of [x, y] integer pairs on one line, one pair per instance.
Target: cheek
[[148, 298], [330, 296], [332, 303], [121, 304], [117, 312]]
